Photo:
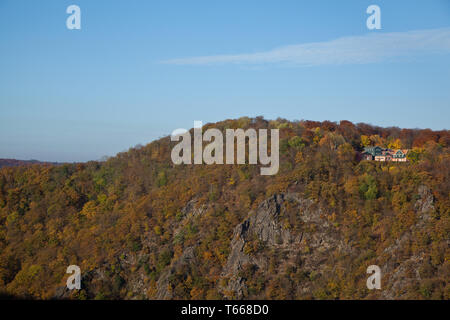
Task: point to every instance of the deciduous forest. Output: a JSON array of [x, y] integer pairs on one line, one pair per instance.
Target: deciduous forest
[[140, 227]]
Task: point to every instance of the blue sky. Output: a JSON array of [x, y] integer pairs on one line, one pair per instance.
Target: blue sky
[[137, 70]]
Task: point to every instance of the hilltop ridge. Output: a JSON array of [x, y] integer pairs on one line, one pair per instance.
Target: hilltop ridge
[[17, 163]]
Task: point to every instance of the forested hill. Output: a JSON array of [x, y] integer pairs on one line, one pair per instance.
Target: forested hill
[[141, 227], [17, 163]]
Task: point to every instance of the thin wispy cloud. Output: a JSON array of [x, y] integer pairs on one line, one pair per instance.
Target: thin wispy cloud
[[370, 48]]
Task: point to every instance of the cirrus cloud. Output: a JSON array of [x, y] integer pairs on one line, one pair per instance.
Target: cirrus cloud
[[370, 48]]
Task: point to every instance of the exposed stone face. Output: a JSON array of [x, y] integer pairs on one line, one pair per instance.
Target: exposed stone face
[[163, 290], [261, 224], [62, 293], [321, 243], [190, 212], [425, 204], [264, 225], [397, 278]]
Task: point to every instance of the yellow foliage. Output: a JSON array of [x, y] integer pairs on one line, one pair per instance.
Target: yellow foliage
[[396, 144], [365, 141], [89, 209]]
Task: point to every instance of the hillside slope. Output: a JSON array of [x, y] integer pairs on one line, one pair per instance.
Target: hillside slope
[[141, 227]]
